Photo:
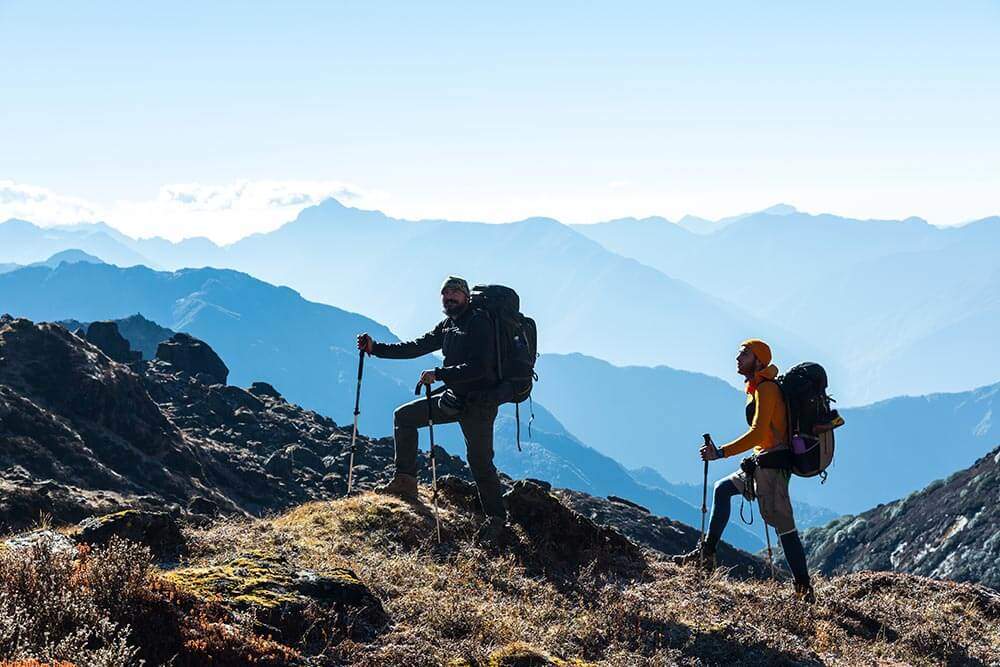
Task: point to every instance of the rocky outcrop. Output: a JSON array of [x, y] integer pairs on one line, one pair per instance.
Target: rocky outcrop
[[657, 533], [157, 530], [193, 356], [284, 600], [81, 435], [949, 530], [569, 537], [106, 337]]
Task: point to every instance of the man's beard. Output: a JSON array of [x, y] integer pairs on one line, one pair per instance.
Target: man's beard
[[453, 308]]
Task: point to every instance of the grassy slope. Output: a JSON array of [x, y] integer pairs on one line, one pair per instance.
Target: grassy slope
[[458, 603]]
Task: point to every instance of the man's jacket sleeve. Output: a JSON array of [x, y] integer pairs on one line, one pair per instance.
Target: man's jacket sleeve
[[759, 433], [482, 351], [429, 342]]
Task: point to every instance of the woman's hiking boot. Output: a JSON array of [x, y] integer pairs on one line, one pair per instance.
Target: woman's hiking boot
[[402, 486], [702, 555], [804, 593]]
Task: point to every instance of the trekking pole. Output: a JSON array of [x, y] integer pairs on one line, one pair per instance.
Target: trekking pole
[[767, 538], [357, 411], [704, 489], [434, 477]]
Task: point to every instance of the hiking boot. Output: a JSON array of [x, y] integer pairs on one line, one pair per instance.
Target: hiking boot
[[402, 486], [805, 593], [701, 555], [492, 530]]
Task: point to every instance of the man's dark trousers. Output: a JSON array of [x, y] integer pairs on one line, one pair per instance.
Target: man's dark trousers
[[477, 426]]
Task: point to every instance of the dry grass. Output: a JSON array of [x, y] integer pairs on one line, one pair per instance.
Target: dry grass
[[456, 603], [109, 608]]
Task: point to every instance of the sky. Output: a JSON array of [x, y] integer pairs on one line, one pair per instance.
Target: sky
[[226, 118]]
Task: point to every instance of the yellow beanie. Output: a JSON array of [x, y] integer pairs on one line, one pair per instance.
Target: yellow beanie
[[760, 349]]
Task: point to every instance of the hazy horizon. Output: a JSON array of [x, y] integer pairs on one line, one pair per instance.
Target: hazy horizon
[[285, 214], [223, 120]]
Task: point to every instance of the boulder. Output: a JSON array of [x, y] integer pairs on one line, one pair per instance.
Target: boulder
[[303, 457], [562, 536], [279, 596], [193, 356], [157, 530], [460, 492], [106, 337], [292, 457], [56, 542], [202, 505], [264, 389], [279, 464], [628, 503]]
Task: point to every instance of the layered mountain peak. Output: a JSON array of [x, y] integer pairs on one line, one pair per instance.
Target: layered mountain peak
[[780, 209], [71, 256]]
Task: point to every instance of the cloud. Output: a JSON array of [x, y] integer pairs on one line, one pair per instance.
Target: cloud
[[223, 213], [42, 206]]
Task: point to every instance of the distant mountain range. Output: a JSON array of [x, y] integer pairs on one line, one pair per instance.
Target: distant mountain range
[[587, 298], [874, 295], [866, 298]]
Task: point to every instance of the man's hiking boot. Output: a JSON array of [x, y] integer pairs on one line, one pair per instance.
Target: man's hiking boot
[[402, 486], [702, 555], [805, 593], [492, 531]]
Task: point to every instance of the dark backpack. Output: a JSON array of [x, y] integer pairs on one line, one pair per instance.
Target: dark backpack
[[516, 346], [810, 417]]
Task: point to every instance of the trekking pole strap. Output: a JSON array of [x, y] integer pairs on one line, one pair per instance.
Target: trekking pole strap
[[531, 409], [517, 421]]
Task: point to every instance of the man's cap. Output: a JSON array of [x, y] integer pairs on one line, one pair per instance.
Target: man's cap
[[457, 283]]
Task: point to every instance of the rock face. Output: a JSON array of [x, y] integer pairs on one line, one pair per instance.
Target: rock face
[[949, 530], [192, 356]]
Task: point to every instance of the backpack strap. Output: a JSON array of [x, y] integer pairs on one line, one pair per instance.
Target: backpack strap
[[788, 409]]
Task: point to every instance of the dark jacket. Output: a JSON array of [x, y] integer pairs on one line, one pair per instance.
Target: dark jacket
[[469, 347]]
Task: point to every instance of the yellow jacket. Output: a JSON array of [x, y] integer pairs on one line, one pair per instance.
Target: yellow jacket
[[769, 426]]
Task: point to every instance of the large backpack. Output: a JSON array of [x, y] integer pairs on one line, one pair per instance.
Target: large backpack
[[810, 417], [516, 346]]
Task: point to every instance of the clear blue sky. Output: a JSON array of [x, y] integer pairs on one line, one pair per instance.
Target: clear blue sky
[[494, 111]]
